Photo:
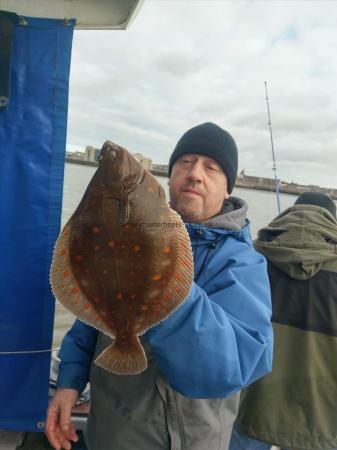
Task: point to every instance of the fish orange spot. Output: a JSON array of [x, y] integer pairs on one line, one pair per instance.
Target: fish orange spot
[[98, 318], [144, 307], [136, 248], [166, 298], [74, 290], [76, 301], [126, 225], [63, 252], [95, 230], [167, 249], [79, 258], [97, 247], [119, 296], [156, 277], [66, 273], [87, 306], [178, 277], [111, 244]]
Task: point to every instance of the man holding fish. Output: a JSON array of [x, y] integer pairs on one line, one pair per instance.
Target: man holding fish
[[167, 352]]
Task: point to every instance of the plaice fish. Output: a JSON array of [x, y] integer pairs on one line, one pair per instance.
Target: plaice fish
[[123, 262]]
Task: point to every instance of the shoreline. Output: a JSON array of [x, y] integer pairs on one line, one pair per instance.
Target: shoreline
[[259, 184]]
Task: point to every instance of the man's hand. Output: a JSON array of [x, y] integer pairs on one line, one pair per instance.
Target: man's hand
[[59, 429]]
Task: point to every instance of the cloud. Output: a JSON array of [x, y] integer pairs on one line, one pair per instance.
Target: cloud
[[178, 64], [288, 34], [185, 62]]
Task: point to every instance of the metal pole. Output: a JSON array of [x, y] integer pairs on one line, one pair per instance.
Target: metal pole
[[273, 152]]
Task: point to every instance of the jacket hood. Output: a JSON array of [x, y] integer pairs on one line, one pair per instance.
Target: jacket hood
[[300, 241], [231, 217]]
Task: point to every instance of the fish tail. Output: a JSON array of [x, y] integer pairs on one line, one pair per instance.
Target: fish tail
[[123, 360]]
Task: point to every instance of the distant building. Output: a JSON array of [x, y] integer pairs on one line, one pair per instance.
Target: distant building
[[79, 156], [159, 169], [91, 153], [146, 162]]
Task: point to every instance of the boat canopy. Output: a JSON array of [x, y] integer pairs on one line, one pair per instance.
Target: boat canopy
[[35, 54], [89, 14]]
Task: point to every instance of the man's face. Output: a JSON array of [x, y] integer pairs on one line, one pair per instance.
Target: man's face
[[198, 187]]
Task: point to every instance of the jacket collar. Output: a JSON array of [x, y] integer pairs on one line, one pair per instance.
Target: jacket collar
[[231, 217]]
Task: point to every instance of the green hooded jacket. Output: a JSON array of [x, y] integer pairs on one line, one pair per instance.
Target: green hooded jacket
[[295, 406]]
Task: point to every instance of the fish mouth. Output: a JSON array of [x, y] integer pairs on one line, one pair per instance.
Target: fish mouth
[[109, 151], [115, 160]]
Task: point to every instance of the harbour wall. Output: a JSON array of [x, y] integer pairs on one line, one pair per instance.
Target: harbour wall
[[242, 181]]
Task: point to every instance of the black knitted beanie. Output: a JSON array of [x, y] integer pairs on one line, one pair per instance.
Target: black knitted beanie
[[317, 199], [210, 140]]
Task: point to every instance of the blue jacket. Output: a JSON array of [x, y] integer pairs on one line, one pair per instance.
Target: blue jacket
[[220, 340]]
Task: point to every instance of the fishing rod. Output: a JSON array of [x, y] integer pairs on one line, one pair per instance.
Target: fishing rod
[[277, 187]]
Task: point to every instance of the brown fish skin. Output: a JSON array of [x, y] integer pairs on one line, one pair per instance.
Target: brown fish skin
[[123, 262]]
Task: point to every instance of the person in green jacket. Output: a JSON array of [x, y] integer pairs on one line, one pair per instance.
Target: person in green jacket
[[295, 406]]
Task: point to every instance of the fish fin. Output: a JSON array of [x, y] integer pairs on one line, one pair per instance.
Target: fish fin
[[119, 360], [66, 288], [178, 288]]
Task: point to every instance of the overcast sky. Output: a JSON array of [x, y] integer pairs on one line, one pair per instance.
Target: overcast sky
[[181, 63]]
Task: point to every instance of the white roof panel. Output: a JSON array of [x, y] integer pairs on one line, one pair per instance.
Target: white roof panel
[[89, 14]]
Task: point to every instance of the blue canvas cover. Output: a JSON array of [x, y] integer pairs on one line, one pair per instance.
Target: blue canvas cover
[[32, 152]]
